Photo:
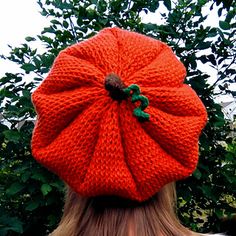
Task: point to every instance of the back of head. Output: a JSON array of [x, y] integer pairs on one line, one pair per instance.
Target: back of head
[[107, 215]]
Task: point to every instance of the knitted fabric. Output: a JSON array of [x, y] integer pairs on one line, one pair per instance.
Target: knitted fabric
[[93, 141]]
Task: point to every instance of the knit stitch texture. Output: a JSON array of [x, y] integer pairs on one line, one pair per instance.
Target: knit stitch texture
[[95, 143]]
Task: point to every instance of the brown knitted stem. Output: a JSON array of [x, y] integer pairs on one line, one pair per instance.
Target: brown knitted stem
[[115, 86]]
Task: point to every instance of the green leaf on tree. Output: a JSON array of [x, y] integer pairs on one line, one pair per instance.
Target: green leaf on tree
[[14, 188], [224, 25], [197, 174], [32, 206], [45, 189], [12, 135], [28, 67], [29, 39], [167, 4]]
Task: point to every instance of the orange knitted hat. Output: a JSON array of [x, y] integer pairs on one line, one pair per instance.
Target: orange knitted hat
[[114, 117]]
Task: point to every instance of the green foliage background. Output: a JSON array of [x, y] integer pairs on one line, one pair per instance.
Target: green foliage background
[[31, 198]]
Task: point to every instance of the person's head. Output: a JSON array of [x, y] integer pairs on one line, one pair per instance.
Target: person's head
[[115, 119], [107, 215]]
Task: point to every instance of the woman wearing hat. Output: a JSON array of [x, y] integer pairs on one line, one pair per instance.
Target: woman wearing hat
[[119, 127]]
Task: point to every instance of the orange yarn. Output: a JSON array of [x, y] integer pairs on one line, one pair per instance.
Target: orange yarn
[[94, 142]]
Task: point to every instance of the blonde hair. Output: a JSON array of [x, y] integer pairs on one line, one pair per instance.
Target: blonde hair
[[112, 216]]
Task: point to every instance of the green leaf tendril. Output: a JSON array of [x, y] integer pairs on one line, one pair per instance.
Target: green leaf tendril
[[135, 96]]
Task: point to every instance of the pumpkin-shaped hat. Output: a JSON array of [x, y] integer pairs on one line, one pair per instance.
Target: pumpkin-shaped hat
[[114, 117]]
